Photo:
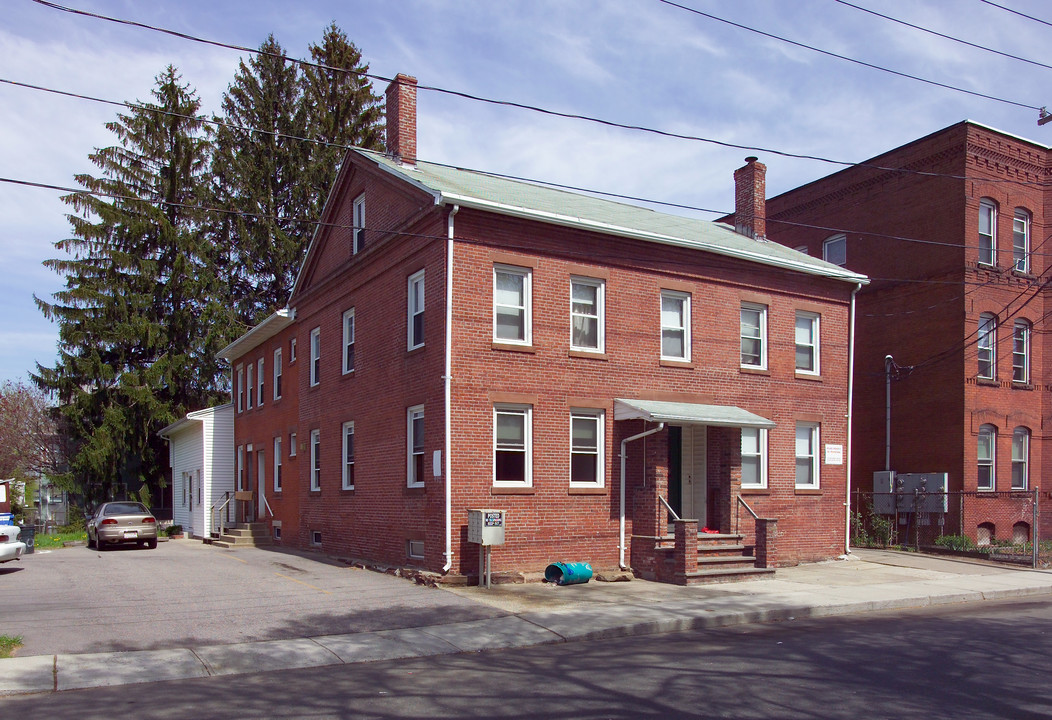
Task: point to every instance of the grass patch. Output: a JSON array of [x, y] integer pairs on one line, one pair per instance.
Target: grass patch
[[42, 541], [9, 644]]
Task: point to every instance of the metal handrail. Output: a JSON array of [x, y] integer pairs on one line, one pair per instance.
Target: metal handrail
[[737, 515], [669, 508], [267, 504], [212, 510]]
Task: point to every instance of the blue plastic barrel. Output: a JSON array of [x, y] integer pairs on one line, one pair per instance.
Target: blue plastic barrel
[[564, 573]]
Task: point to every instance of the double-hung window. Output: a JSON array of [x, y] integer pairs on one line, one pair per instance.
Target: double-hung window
[[1020, 458], [348, 456], [987, 232], [250, 385], [348, 341], [586, 448], [754, 457], [260, 378], [986, 457], [415, 446], [292, 445], [806, 455], [675, 325], [1021, 352], [512, 445], [586, 314], [277, 374], [292, 350], [511, 305], [240, 388], [807, 354], [415, 317], [359, 224], [753, 336], [1021, 241], [277, 464], [834, 250], [315, 460], [987, 346], [315, 356]]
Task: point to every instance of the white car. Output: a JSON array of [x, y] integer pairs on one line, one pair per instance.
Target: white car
[[10, 547]]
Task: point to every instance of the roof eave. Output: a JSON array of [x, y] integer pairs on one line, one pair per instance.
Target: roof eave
[[267, 329]]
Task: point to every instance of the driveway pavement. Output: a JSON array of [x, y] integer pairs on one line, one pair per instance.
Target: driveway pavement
[[185, 594]]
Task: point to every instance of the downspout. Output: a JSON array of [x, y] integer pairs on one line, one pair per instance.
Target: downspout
[[850, 414], [448, 382], [621, 547]]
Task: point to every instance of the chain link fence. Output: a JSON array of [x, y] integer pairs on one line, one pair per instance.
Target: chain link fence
[[999, 526]]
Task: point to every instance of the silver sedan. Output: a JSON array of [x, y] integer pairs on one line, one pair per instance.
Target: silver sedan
[[122, 522]]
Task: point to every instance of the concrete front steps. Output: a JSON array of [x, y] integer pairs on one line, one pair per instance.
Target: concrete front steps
[[720, 558], [255, 534]]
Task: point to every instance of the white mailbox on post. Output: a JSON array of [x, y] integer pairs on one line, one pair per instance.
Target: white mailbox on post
[[486, 527]]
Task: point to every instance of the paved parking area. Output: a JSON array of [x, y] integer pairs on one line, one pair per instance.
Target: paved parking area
[[186, 594]]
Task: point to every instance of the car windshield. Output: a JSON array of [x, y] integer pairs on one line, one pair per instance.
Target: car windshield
[[124, 509]]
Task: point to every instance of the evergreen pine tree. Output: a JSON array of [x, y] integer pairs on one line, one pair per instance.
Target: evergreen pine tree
[[134, 350]]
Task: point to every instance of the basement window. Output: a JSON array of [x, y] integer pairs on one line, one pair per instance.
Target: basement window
[[415, 549], [315, 538]]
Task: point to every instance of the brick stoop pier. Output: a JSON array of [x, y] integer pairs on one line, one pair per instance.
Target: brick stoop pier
[[698, 558]]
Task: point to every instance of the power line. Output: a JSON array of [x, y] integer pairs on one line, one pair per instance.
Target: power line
[[943, 35], [846, 58], [1016, 12]]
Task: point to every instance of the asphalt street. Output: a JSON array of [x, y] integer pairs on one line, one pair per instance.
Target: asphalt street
[[185, 594], [986, 660]]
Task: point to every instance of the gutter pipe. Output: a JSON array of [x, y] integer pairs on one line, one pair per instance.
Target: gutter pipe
[[448, 381], [850, 416], [621, 547]]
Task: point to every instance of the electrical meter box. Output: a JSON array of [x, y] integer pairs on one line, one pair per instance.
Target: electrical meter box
[[486, 527]]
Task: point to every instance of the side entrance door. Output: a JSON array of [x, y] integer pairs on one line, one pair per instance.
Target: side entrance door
[[688, 487]]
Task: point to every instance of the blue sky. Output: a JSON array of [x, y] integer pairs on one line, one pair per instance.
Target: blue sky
[[639, 62]]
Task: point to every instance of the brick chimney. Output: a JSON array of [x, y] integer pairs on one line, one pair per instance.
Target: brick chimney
[[401, 118], [750, 199]]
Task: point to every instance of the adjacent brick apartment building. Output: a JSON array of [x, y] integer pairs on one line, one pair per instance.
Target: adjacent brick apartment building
[[951, 229], [457, 340]]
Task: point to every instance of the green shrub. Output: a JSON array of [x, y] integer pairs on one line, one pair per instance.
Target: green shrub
[[958, 543], [173, 530]]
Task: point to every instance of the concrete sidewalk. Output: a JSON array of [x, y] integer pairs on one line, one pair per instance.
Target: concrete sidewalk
[[539, 614]]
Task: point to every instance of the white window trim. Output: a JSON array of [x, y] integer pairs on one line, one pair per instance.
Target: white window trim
[[1023, 432], [988, 205], [277, 464], [816, 342], [315, 460], [1026, 328], [417, 411], [599, 416], [260, 380], [830, 242], [241, 388], [1021, 264], [315, 356], [762, 322], [292, 445], [358, 223], [240, 467], [527, 412], [348, 429], [292, 350], [527, 306], [990, 430], [250, 386], [278, 374], [412, 311], [815, 452], [600, 313], [685, 328], [990, 345], [762, 455], [348, 339]]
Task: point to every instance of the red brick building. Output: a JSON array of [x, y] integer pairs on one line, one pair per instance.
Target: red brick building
[[951, 230], [467, 341]]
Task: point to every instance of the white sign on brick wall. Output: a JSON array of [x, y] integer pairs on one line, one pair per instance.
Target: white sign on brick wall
[[834, 454]]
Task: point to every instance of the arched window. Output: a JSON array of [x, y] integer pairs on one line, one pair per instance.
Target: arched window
[[987, 457], [1021, 533], [985, 533], [987, 232], [1021, 240], [987, 344], [1020, 458], [1021, 351]]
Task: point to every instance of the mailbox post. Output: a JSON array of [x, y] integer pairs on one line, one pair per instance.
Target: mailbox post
[[486, 529]]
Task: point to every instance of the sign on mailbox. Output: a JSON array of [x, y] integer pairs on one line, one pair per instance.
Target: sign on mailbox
[[486, 527]]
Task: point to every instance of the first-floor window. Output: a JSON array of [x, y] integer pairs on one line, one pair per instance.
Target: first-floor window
[[754, 457], [586, 447], [348, 456], [315, 459], [806, 455], [277, 464], [512, 438], [1020, 458], [415, 446], [986, 457], [292, 444]]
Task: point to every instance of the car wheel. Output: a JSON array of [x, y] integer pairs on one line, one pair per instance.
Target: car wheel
[[152, 544]]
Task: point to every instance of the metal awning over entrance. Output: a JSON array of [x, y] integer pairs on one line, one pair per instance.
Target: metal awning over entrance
[[688, 413]]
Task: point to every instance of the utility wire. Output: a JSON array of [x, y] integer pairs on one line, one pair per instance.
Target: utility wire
[[944, 36], [846, 58], [504, 103], [1016, 12]]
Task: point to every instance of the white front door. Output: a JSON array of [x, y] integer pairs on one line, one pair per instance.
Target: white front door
[[261, 473], [692, 473]]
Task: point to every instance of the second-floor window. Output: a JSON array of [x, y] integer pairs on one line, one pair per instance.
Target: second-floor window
[[359, 224], [259, 379], [415, 318], [586, 314], [1021, 241], [511, 304], [348, 341], [754, 336], [986, 344], [315, 356], [277, 374], [250, 385], [240, 388], [807, 343], [987, 232], [1021, 352], [675, 325]]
